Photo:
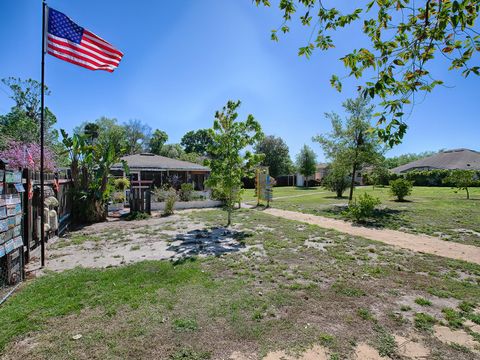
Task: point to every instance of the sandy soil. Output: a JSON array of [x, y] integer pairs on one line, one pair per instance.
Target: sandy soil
[[449, 336], [407, 348], [417, 243], [116, 243]]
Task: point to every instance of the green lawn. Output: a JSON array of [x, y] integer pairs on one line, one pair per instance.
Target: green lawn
[[429, 210], [296, 285]]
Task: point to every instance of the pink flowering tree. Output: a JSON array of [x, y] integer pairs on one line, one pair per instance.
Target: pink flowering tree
[[21, 155]]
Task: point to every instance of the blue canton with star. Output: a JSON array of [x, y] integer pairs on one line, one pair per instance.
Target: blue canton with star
[[62, 26]]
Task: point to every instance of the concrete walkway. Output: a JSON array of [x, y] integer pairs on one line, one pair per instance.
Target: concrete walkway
[[419, 243]]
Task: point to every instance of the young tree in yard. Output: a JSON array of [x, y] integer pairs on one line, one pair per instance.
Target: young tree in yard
[[159, 138], [351, 143], [196, 141], [277, 155], [337, 179], [306, 162], [229, 161], [403, 39], [462, 179]]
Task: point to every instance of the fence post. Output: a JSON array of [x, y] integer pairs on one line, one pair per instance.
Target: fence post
[[27, 214]]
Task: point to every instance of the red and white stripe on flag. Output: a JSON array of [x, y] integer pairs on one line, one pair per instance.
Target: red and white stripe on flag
[[70, 42]]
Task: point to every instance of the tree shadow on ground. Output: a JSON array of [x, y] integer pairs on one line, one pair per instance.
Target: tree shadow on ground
[[381, 218], [207, 242]]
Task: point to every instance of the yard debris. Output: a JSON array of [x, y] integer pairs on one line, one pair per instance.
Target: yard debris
[[77, 337]]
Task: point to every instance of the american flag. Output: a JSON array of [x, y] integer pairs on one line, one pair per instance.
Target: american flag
[[75, 44]]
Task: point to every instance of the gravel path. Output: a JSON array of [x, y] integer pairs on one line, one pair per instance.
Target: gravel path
[[419, 243]]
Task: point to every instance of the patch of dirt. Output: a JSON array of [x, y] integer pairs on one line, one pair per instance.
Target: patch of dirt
[[317, 244], [449, 336], [317, 352], [411, 348], [366, 352], [474, 327], [118, 243], [237, 355], [435, 309]]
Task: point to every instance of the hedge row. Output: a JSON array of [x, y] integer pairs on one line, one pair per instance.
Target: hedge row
[[422, 178]]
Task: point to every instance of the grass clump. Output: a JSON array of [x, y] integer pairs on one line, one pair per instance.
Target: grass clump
[[385, 342], [475, 318], [423, 302], [170, 200], [424, 321], [185, 324], [344, 289], [189, 354], [466, 306], [327, 340], [453, 317], [405, 308], [137, 215], [460, 348], [365, 314]]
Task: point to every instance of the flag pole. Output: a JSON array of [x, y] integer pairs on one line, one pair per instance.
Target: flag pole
[[42, 141]]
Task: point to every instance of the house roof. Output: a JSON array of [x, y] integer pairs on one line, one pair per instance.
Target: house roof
[[456, 159], [147, 161]]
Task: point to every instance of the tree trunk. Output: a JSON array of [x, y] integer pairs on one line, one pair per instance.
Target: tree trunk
[[468, 194], [229, 217], [352, 185]]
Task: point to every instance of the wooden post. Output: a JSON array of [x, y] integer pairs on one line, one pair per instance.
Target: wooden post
[[27, 214]]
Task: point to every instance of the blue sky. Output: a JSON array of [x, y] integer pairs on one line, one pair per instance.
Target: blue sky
[[184, 59]]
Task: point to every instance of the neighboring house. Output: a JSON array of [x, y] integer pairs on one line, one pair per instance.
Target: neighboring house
[[457, 159], [318, 176], [162, 170]]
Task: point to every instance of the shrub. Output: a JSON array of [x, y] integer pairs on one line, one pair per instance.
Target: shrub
[[400, 188], [424, 321], [428, 177], [170, 200], [423, 302], [362, 208], [137, 215], [121, 184], [160, 194], [313, 183], [118, 197], [186, 192], [337, 180]]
